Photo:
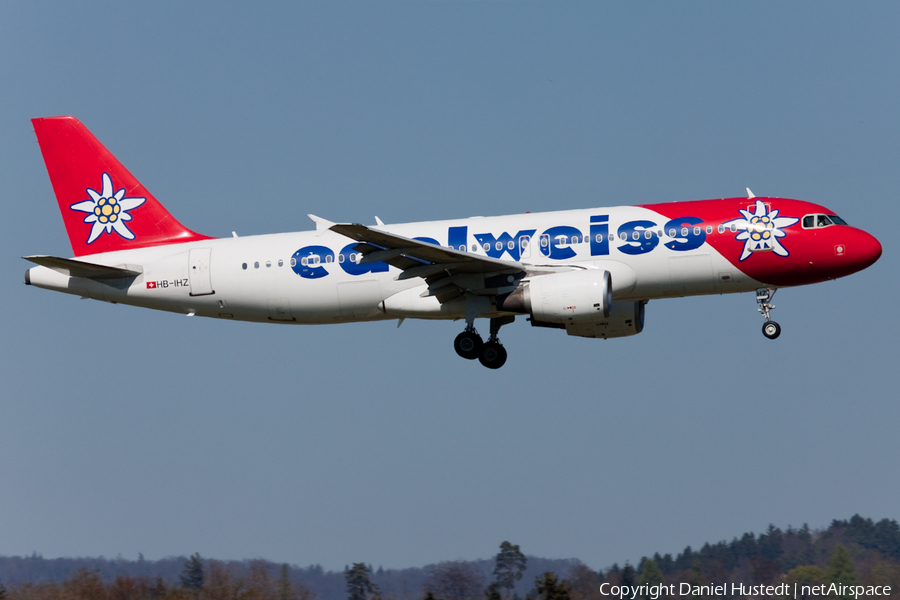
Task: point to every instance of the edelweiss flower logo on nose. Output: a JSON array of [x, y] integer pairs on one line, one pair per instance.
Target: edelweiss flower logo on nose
[[108, 211], [760, 230]]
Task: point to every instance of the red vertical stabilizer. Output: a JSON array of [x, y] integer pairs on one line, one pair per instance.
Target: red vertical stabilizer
[[103, 206]]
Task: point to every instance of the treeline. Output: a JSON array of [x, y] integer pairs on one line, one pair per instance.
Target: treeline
[[857, 551]]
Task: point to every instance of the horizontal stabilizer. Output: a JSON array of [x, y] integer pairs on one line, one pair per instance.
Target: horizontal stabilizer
[[77, 268]]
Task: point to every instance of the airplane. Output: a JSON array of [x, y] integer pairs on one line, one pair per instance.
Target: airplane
[[590, 272]]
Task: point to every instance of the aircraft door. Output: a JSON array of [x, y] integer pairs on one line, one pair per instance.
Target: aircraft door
[[198, 263]]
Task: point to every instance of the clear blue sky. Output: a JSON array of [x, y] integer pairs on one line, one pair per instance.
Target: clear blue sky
[[124, 430]]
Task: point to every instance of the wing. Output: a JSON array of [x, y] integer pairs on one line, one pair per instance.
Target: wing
[[448, 273]]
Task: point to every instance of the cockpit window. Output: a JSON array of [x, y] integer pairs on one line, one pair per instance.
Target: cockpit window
[[818, 221]]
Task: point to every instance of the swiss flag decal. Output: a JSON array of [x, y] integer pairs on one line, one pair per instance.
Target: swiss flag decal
[[151, 285]]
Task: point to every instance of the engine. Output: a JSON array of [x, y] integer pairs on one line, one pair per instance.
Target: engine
[[625, 318], [579, 302]]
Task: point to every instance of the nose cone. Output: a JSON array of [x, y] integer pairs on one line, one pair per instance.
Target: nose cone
[[867, 250]]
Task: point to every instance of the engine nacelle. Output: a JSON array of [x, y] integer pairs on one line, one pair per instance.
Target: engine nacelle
[[625, 318], [570, 297]]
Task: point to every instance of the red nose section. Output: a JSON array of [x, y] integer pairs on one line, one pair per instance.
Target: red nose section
[[867, 250], [844, 250]]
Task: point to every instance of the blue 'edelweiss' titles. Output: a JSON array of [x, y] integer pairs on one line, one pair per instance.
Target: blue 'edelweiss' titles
[[108, 211], [761, 229]]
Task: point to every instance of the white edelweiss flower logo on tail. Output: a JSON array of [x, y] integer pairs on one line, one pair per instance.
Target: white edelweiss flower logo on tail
[[108, 211], [760, 230]]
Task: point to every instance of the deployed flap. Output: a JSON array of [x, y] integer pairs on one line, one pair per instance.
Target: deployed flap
[[77, 268]]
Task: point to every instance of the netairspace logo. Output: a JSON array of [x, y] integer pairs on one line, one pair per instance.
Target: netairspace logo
[[784, 590]]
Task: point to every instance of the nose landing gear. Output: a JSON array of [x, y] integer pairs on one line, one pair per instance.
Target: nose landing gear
[[770, 328]]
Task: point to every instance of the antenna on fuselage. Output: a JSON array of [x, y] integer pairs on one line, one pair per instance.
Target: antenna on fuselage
[[750, 195]]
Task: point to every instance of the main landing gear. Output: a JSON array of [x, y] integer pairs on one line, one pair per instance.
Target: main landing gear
[[770, 328], [491, 354]]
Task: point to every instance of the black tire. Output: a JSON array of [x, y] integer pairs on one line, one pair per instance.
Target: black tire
[[468, 345], [771, 329], [493, 355]]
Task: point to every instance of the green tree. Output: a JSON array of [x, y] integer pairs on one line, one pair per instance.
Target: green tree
[[886, 573], [491, 592], [806, 575], [650, 574], [550, 588], [192, 574], [509, 566], [84, 585], [841, 569], [696, 576], [455, 580], [285, 590], [358, 584], [159, 589], [628, 576]]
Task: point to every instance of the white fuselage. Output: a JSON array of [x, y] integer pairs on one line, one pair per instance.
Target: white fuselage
[[311, 277]]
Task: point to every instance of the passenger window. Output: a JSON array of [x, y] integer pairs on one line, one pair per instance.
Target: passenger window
[[696, 231], [487, 247], [544, 242], [499, 245], [510, 245], [474, 247], [648, 234], [708, 229], [304, 261], [462, 247], [733, 228], [636, 235], [623, 236], [280, 262], [684, 231], [268, 264], [721, 229], [340, 258], [244, 266], [293, 262], [256, 265], [611, 237], [329, 259], [671, 233]]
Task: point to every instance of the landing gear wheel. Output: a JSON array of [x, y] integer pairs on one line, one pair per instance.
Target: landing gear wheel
[[771, 329], [468, 344], [493, 355]]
